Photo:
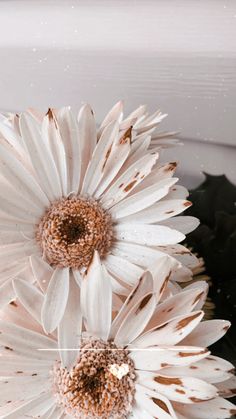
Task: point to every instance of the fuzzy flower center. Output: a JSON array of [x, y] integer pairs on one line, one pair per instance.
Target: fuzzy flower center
[[70, 231], [91, 389]]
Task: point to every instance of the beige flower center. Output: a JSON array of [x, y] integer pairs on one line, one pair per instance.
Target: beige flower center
[[90, 389], [70, 231]]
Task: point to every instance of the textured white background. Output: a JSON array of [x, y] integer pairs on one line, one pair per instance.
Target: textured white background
[[179, 55]]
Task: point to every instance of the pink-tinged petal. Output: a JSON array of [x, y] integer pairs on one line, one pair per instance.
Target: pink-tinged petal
[[170, 333], [69, 133], [156, 357], [7, 293], [216, 408], [52, 137], [138, 113], [227, 388], [40, 157], [42, 271], [140, 255], [148, 235], [123, 269], [128, 180], [22, 388], [99, 159], [180, 389], [182, 254], [137, 202], [136, 320], [12, 253], [10, 366], [160, 172], [183, 224], [161, 271], [87, 137], [207, 333], [202, 300], [182, 274], [44, 400], [20, 341], [139, 147], [177, 305], [55, 299], [69, 330], [115, 113], [211, 369], [144, 287], [155, 403], [21, 179], [118, 286], [30, 297], [96, 295]]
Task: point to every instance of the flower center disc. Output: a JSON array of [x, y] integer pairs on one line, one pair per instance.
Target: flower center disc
[[70, 231], [89, 389]]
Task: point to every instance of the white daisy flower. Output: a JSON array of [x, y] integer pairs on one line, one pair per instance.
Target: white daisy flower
[[148, 361], [65, 194]]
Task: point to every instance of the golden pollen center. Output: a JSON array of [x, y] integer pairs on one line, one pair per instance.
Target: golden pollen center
[[71, 229], [89, 389]]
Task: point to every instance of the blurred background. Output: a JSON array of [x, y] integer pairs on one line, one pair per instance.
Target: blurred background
[[179, 56]]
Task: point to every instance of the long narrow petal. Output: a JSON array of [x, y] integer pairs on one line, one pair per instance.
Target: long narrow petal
[[128, 180], [184, 224], [143, 287], [170, 333], [51, 134], [148, 235], [41, 157], [134, 253], [55, 299], [123, 269], [69, 330], [30, 297], [136, 320], [99, 159], [22, 388], [7, 293], [216, 408], [207, 333], [21, 179], [115, 113], [87, 137], [156, 357], [177, 388], [36, 404], [42, 271], [155, 403], [97, 292], [69, 132], [227, 388], [137, 202]]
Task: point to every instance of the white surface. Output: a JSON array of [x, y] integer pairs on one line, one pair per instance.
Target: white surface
[[176, 55]]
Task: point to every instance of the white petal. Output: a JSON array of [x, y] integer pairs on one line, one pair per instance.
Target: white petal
[[11, 253], [177, 388], [163, 171], [141, 200], [55, 299], [69, 330], [115, 113], [18, 366], [117, 157], [21, 179], [161, 271], [207, 333], [87, 136], [52, 136], [177, 192], [72, 145], [156, 357], [96, 289], [41, 157], [22, 388], [211, 369], [30, 297], [227, 388], [42, 271], [148, 235], [177, 305], [217, 408], [99, 158], [170, 333], [144, 287], [34, 404], [128, 180], [123, 269], [182, 254], [141, 255], [136, 320], [155, 403], [7, 293], [185, 224]]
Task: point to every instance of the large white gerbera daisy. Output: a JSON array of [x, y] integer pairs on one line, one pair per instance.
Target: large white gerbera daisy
[[148, 361], [67, 191]]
